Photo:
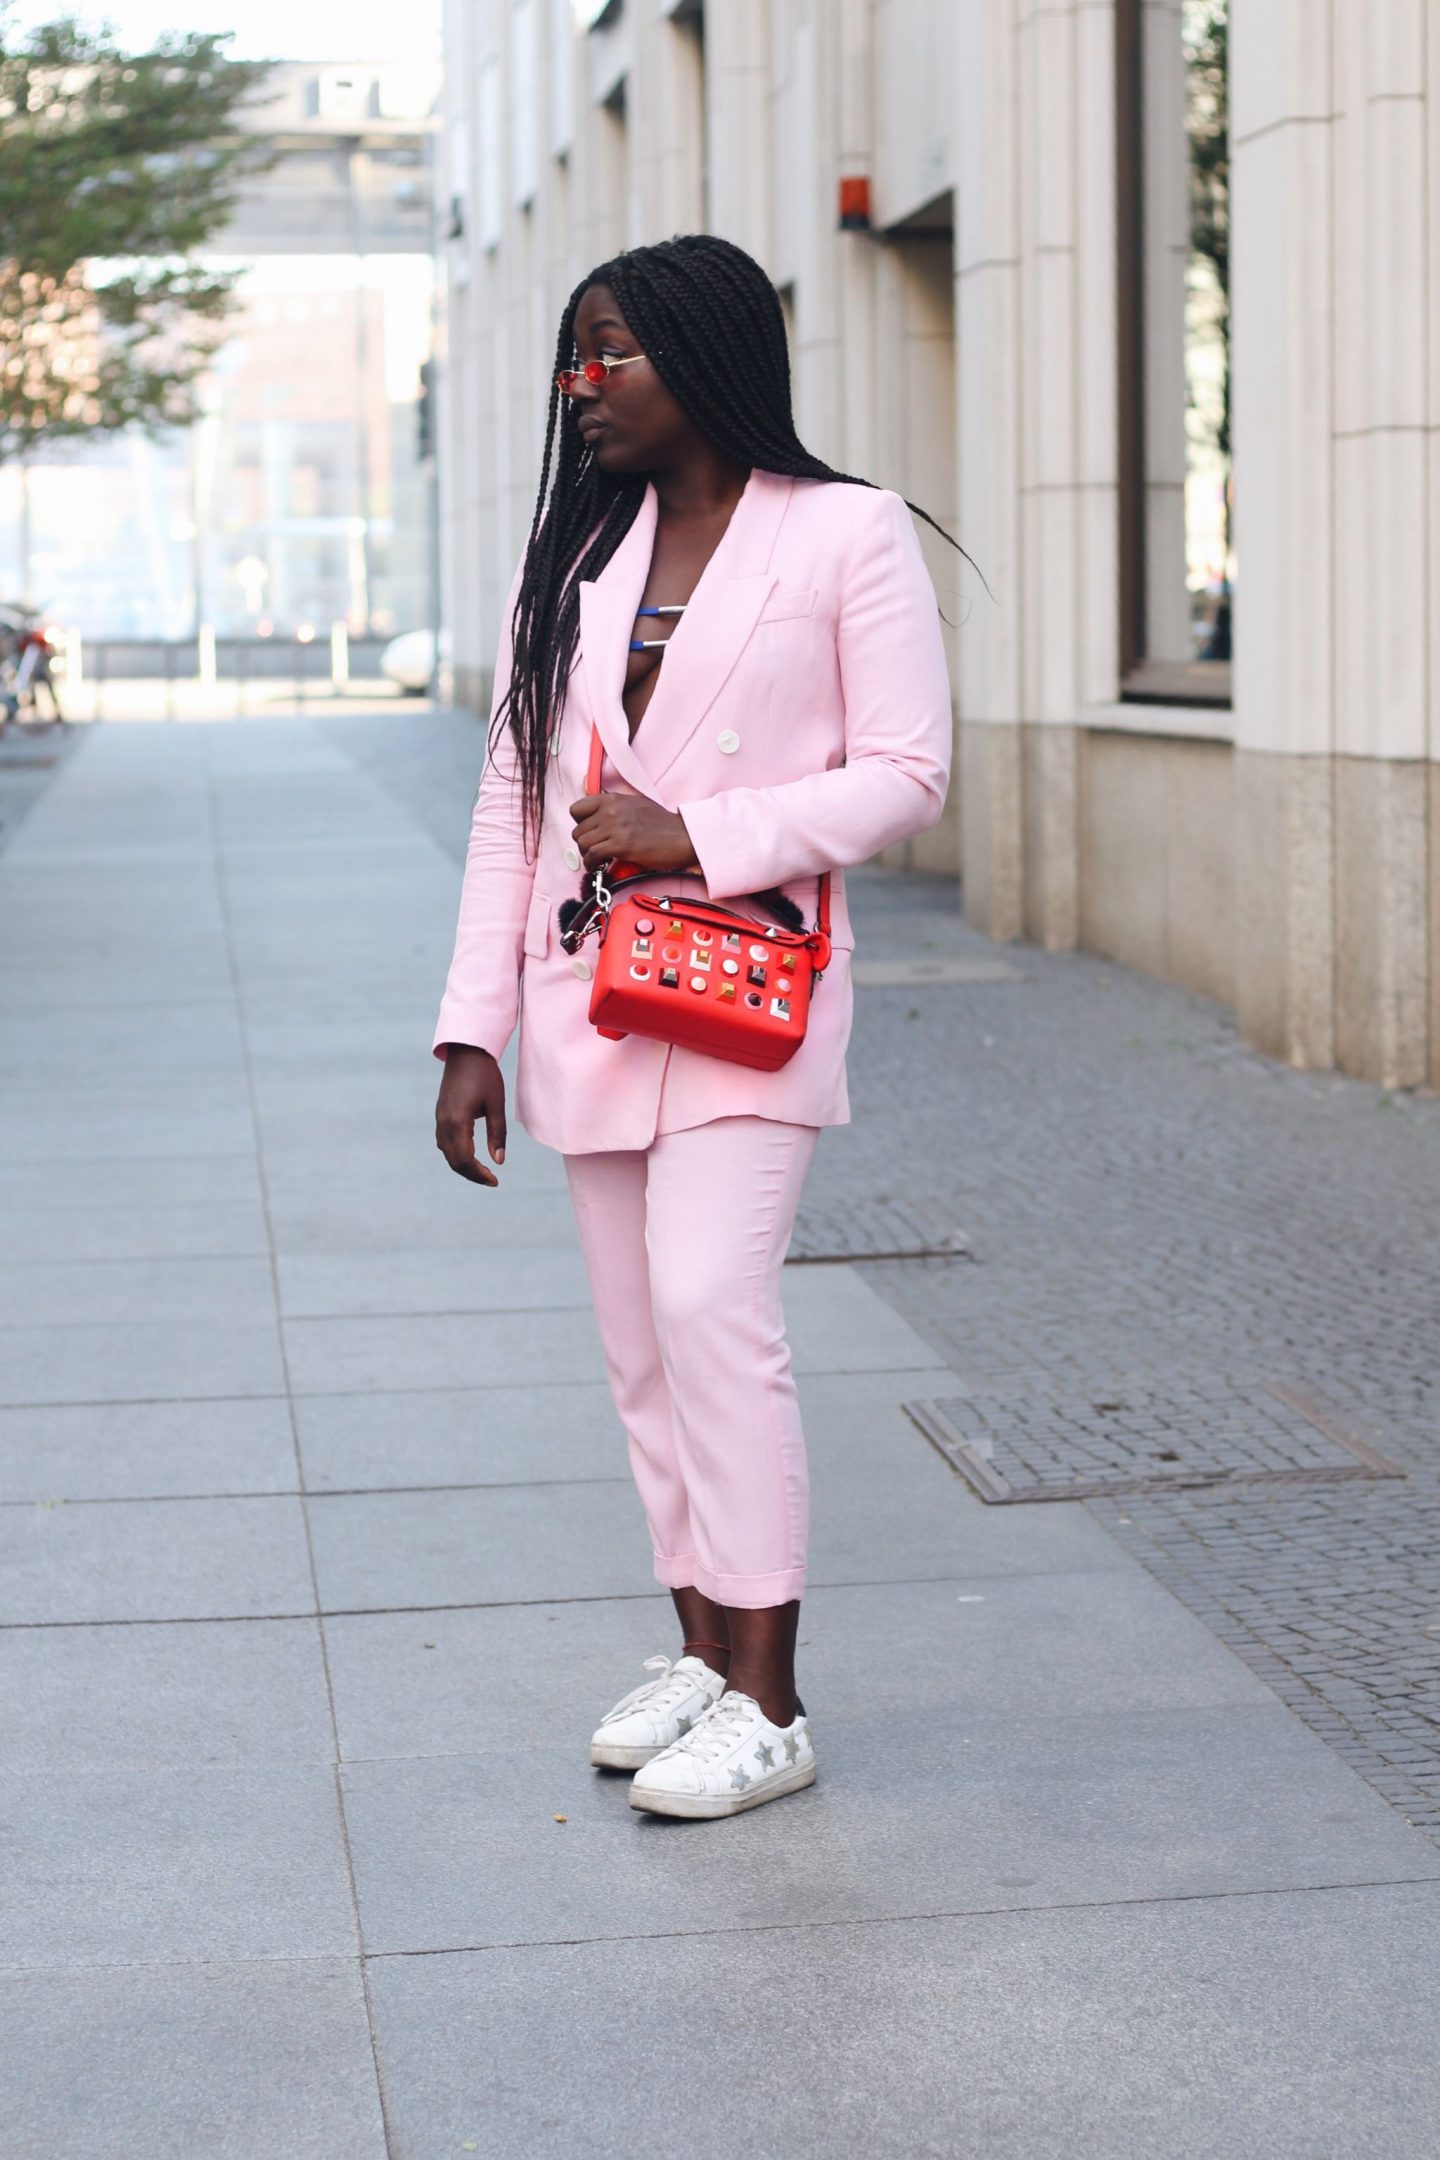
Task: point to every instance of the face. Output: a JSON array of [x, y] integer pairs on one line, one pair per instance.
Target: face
[[630, 421]]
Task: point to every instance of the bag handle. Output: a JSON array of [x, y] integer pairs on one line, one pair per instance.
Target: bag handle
[[592, 787]]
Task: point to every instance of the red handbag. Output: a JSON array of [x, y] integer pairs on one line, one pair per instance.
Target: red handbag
[[692, 972]]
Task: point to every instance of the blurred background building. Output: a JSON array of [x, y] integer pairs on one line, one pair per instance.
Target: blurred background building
[[1142, 299], [303, 496]]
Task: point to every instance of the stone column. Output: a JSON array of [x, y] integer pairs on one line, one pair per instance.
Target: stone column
[[1329, 138], [737, 80], [987, 317]]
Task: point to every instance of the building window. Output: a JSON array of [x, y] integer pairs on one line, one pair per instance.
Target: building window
[[1177, 566]]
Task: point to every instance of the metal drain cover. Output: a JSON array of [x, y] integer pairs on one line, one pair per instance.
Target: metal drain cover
[[828, 1230], [1081, 1447]]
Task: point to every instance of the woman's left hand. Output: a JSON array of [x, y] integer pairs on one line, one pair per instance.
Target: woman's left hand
[[633, 829]]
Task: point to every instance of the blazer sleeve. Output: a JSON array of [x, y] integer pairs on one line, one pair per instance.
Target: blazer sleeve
[[898, 731], [482, 990]]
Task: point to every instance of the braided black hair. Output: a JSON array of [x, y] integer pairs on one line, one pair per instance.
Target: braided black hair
[[691, 301]]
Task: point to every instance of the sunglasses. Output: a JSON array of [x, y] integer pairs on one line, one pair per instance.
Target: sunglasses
[[594, 371]]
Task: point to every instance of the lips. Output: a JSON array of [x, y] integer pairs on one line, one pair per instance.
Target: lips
[[591, 428]]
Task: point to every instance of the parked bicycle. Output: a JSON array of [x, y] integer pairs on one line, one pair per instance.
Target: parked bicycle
[[27, 666]]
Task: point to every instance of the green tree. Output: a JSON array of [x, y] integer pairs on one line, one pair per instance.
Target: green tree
[[115, 168], [1207, 43]]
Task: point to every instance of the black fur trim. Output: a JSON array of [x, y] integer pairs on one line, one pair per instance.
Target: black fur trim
[[780, 909]]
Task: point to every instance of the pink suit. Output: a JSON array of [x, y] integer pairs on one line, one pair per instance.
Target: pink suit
[[801, 721]]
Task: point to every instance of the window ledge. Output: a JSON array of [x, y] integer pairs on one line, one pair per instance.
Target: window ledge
[[1197, 723]]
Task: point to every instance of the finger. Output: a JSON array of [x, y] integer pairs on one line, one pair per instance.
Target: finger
[[586, 806], [495, 1131], [456, 1143]]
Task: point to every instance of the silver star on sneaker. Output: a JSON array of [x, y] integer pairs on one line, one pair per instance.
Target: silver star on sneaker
[[792, 1747], [739, 1779], [765, 1755]]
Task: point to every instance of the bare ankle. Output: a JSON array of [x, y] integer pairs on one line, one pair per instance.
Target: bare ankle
[[777, 1699], [715, 1655]]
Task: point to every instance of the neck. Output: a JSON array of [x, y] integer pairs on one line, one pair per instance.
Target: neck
[[705, 483]]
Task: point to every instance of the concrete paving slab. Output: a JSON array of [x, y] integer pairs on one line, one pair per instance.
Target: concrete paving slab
[[483, 1681], [882, 1506], [154, 1865], [497, 1546], [350, 1210], [394, 1164], [555, 1540], [209, 1117], [161, 1231], [460, 1436], [37, 989], [447, 1350], [165, 1040], [198, 1180], [232, 2062], [204, 1291], [153, 1560], [1292, 2028], [133, 1361], [95, 1698], [852, 1332], [141, 1450], [917, 1813], [297, 1043], [350, 1285]]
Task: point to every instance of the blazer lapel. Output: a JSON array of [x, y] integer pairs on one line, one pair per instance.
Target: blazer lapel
[[714, 630], [607, 624], [705, 645]]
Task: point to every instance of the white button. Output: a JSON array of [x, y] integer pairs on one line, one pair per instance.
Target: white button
[[572, 858], [729, 742], [582, 968]]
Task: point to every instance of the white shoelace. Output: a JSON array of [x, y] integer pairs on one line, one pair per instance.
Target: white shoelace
[[727, 1720], [659, 1694]]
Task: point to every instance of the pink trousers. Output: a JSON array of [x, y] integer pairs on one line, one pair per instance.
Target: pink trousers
[[683, 1243]]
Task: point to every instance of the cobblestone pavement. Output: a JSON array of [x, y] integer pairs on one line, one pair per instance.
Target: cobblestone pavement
[[1151, 1208]]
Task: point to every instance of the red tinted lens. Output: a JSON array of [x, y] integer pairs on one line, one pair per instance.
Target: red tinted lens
[[566, 379], [595, 371]]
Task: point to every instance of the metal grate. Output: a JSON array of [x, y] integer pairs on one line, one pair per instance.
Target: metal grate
[[1053, 1447], [875, 1229]]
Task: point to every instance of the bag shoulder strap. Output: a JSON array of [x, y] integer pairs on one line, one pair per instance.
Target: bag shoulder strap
[[592, 787]]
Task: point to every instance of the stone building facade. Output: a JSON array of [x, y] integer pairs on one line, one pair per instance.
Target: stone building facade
[[1141, 299]]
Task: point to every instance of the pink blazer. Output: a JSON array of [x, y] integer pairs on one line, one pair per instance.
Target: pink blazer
[[801, 721]]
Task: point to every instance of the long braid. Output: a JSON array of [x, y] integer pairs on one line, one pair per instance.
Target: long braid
[[711, 323]]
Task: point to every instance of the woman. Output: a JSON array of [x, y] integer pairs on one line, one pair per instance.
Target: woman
[[785, 712]]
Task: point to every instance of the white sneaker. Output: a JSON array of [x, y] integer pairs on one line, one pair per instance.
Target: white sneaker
[[653, 1715], [732, 1760]]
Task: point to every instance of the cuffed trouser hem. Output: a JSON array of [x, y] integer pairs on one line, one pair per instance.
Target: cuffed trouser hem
[[676, 1572], [750, 1593]]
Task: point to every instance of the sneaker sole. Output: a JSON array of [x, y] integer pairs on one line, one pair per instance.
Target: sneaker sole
[[709, 1807], [604, 1757]]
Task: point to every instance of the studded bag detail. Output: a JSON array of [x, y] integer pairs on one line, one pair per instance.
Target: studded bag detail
[[692, 972]]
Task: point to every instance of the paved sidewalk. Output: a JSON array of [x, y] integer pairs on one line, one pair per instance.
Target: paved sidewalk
[[318, 1559]]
